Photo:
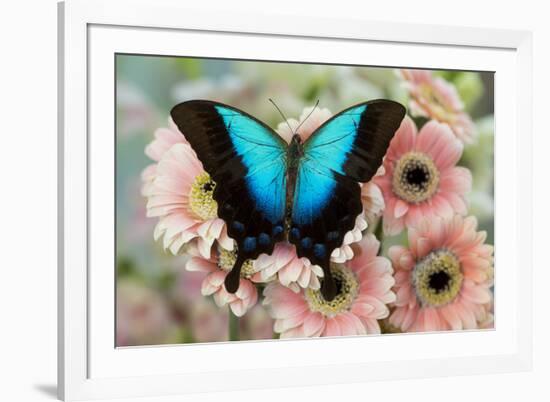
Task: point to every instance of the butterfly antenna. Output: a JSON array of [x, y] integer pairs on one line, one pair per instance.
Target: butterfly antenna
[[307, 117], [282, 114]]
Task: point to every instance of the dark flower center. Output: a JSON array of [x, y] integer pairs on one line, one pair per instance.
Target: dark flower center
[[418, 176], [415, 178], [437, 278], [439, 281], [208, 186], [339, 285], [347, 288]]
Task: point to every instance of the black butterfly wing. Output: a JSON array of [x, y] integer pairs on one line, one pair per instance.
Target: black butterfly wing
[[345, 150], [247, 161]]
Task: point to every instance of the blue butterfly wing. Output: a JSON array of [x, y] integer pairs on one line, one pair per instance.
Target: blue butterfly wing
[[347, 149], [263, 153], [247, 161]]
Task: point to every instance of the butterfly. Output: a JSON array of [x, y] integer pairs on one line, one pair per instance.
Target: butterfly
[[269, 191]]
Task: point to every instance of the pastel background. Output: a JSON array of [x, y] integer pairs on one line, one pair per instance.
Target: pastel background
[[158, 300]]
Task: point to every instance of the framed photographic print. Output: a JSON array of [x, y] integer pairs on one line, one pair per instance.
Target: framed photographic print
[[248, 205]]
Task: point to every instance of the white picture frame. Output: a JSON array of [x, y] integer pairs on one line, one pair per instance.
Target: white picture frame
[[91, 32]]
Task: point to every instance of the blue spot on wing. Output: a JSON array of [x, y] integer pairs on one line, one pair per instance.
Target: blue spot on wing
[[306, 242], [295, 233], [319, 250], [238, 227], [249, 244], [263, 153], [277, 231], [264, 239]]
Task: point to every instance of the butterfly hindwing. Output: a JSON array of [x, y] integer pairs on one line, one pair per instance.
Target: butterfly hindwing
[[247, 161], [345, 150]]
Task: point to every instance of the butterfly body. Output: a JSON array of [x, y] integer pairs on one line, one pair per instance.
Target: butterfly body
[[294, 153], [305, 192]]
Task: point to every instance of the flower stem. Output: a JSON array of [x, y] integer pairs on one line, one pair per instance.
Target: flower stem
[[233, 327]]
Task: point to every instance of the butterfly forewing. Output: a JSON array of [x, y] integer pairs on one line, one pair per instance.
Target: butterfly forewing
[[247, 161]]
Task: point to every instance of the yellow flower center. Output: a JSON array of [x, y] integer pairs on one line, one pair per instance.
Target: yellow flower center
[[201, 197], [347, 288], [415, 178], [226, 260], [437, 278]]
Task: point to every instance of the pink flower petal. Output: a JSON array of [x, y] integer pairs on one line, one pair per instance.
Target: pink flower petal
[[450, 315], [397, 316], [392, 225], [475, 293], [401, 208], [456, 179], [423, 247], [441, 207], [313, 323], [332, 327], [438, 141], [294, 321], [404, 294], [403, 140], [362, 309], [350, 324], [467, 317], [292, 333], [238, 308], [201, 265], [372, 326], [431, 320]]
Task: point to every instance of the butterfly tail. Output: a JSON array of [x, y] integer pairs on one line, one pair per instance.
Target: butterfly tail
[[233, 278], [328, 285]]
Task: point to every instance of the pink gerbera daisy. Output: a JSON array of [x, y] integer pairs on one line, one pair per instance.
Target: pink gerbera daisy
[[180, 193], [443, 279], [420, 178], [435, 98], [217, 267], [364, 289]]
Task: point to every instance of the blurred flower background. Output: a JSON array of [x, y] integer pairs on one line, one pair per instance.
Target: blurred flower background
[[167, 292]]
